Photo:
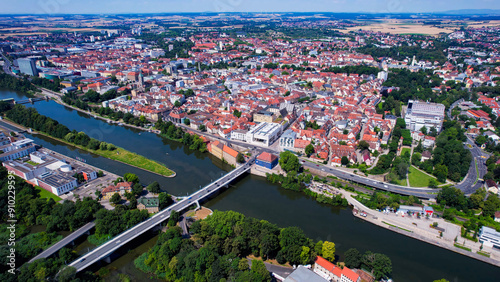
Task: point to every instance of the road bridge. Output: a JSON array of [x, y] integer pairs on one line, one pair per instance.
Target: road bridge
[[106, 249]]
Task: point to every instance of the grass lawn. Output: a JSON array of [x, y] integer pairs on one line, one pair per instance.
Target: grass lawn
[[44, 194], [405, 150], [403, 182], [418, 178]]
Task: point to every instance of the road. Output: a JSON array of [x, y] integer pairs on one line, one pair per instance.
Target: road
[[65, 241], [6, 66], [415, 191], [478, 156], [128, 235]]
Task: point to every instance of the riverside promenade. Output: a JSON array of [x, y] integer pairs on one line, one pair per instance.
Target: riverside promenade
[[420, 228]]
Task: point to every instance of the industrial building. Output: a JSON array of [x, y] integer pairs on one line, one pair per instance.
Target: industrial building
[[27, 66]]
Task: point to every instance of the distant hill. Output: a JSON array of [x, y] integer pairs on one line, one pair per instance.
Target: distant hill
[[470, 12]]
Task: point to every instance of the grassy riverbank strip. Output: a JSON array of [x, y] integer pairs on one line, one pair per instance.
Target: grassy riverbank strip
[[126, 157], [119, 154]]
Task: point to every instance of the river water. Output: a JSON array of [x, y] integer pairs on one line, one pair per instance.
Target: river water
[[253, 196]]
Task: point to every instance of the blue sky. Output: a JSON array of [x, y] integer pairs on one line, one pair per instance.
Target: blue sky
[[165, 6]]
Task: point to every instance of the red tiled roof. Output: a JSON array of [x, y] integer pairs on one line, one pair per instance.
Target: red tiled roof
[[325, 264], [267, 157], [353, 276]]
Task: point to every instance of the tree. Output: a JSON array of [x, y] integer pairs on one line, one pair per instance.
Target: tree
[[239, 158], [174, 217], [259, 271], [177, 104], [115, 199], [415, 159], [344, 160], [202, 128], [187, 121], [352, 258], [382, 266], [309, 150], [165, 200], [363, 145], [328, 251], [289, 161], [130, 177], [423, 130], [154, 187]]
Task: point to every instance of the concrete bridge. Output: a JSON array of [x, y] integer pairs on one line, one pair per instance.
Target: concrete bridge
[[105, 250], [65, 241]]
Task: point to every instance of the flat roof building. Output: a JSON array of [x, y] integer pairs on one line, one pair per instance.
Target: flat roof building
[[419, 114], [263, 133], [489, 237]]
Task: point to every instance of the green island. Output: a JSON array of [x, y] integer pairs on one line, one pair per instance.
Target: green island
[[29, 117]]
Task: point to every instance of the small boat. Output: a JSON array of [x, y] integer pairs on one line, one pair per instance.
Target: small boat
[[139, 133]]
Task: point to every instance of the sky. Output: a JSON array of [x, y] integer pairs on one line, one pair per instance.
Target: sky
[[173, 6]]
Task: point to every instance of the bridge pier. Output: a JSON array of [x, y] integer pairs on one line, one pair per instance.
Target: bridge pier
[[197, 205], [31, 100], [107, 259]]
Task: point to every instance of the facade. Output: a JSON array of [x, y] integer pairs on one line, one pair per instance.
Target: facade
[[263, 116], [27, 66], [330, 272], [56, 182], [419, 114], [229, 155], [239, 135], [263, 133], [267, 160], [489, 237], [152, 205], [120, 188], [287, 139], [17, 149], [216, 148]]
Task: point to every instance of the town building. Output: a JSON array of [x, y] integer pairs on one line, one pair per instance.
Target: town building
[[330, 272], [419, 114], [287, 139], [27, 66], [263, 133], [152, 205], [229, 155], [120, 188], [266, 160]]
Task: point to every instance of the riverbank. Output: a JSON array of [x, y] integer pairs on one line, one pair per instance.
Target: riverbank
[[419, 228], [119, 155]]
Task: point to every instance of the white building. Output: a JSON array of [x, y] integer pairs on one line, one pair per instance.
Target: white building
[[16, 149], [263, 133], [420, 114], [239, 135], [489, 237], [287, 140]]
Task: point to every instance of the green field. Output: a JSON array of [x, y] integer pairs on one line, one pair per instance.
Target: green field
[[44, 194], [405, 150], [418, 178]]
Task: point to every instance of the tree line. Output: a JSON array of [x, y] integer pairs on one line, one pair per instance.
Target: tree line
[[170, 131], [220, 245]]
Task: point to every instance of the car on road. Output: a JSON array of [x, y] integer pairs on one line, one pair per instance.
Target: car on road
[[83, 259], [190, 198], [385, 186]]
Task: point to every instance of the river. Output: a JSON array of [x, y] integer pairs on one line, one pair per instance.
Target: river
[[253, 196]]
